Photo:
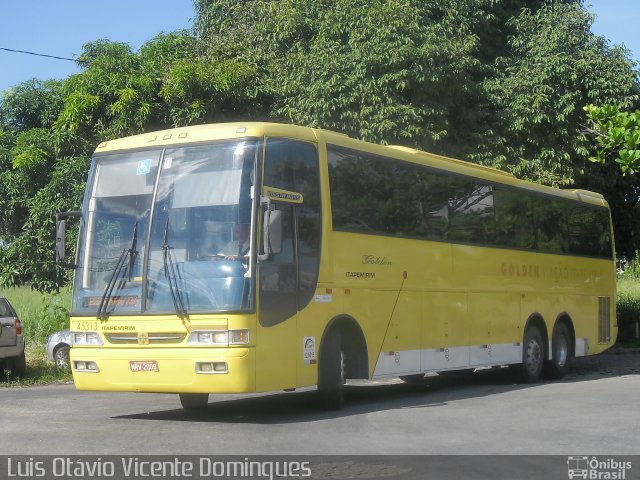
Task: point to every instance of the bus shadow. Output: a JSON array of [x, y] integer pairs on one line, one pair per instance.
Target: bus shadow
[[303, 406]]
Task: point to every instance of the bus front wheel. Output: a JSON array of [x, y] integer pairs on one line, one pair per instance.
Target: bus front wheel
[[331, 372], [194, 401], [532, 354]]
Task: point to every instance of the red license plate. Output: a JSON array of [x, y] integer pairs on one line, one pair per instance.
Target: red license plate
[[144, 366]]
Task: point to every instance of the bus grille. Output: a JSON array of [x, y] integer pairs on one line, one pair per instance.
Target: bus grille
[[146, 338], [604, 319]]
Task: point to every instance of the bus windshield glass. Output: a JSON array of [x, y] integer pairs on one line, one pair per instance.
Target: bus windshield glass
[[168, 231]]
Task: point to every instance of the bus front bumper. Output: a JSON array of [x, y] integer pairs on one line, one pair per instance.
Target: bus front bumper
[[164, 370]]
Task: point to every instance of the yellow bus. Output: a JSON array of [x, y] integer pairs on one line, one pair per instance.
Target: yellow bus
[[254, 257]]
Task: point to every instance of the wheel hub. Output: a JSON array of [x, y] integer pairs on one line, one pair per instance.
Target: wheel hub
[[534, 355], [562, 351]]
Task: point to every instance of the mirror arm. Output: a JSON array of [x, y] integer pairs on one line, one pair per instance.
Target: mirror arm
[[66, 215]]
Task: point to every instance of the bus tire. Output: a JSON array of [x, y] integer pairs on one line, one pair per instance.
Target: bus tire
[[561, 352], [532, 355], [194, 401], [331, 372]]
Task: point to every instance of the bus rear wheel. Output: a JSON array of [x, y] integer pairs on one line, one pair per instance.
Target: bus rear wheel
[[194, 401], [532, 355], [331, 372], [561, 353]]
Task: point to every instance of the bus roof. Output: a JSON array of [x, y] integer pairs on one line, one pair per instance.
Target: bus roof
[[206, 133], [221, 131]]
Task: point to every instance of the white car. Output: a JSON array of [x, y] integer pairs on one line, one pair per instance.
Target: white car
[[11, 341], [58, 349]]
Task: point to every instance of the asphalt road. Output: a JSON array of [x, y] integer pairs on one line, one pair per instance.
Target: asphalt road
[[595, 410]]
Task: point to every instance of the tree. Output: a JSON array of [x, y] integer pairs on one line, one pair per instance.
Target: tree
[[49, 129], [31, 104], [381, 71], [556, 66], [617, 136], [499, 83]]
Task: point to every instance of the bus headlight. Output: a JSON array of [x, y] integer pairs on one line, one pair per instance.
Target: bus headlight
[[219, 338], [85, 338]]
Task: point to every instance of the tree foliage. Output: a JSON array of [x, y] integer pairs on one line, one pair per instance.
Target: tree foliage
[[617, 136], [556, 67], [500, 83], [615, 170]]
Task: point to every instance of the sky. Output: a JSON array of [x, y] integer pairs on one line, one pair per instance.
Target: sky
[[61, 27], [617, 20]]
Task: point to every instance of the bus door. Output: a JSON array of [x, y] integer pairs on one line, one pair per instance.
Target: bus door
[[277, 311], [288, 279]]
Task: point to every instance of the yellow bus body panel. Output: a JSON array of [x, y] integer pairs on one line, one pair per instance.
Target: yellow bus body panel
[[463, 296], [421, 305]]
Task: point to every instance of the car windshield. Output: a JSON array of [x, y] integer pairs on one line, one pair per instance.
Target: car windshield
[[168, 231]]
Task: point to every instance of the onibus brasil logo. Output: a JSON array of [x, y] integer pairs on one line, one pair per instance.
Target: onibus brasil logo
[[597, 469]]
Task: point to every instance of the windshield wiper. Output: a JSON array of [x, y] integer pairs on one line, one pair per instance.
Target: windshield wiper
[[172, 277], [130, 253]]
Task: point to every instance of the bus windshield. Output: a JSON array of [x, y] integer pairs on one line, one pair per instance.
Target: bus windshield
[[168, 231]]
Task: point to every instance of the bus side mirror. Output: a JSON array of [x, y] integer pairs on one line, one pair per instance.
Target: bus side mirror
[[271, 233], [61, 237], [275, 232]]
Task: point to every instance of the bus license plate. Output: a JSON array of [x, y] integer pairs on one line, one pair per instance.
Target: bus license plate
[[144, 366]]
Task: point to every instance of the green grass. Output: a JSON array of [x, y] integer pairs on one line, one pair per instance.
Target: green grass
[[41, 315], [629, 287], [628, 305], [40, 371]]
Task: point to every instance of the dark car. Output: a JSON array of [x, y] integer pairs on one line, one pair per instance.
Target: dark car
[[11, 341]]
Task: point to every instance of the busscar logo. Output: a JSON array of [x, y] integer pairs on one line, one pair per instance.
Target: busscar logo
[[595, 468]]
